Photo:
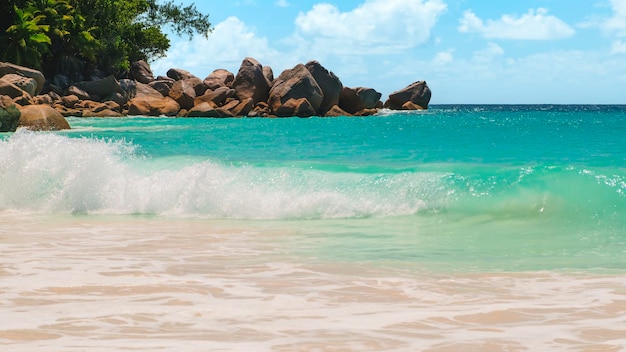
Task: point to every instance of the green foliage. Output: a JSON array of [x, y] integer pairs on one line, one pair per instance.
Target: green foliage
[[26, 39], [62, 36]]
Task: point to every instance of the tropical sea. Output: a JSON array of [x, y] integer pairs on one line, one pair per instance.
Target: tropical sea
[[459, 228]]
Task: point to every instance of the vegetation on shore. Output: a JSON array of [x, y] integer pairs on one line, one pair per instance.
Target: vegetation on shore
[[89, 37]]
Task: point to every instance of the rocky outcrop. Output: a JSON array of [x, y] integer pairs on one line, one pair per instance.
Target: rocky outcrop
[[219, 78], [178, 74], [209, 110], [185, 91], [329, 83], [26, 84], [42, 118], [14, 92], [151, 106], [415, 96], [141, 72], [304, 90], [290, 88], [9, 114], [250, 81], [8, 68], [217, 96], [353, 100]]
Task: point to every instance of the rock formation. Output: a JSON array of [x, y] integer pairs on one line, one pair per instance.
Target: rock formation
[[304, 91], [293, 88], [415, 96], [42, 118]]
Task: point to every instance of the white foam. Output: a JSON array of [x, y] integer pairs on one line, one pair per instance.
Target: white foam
[[56, 174]]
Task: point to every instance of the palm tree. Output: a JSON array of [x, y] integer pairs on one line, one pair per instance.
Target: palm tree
[[27, 39]]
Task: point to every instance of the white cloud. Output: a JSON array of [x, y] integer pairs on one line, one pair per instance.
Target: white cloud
[[282, 3], [617, 23], [376, 26], [488, 54], [533, 25], [230, 42], [619, 47], [443, 57]]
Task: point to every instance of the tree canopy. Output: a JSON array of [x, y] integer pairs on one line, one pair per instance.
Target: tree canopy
[[84, 37]]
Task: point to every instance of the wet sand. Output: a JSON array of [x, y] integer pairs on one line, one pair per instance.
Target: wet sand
[[73, 283]]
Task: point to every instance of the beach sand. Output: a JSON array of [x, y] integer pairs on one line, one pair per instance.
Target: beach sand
[[103, 283]]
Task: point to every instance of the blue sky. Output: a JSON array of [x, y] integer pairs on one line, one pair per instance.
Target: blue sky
[[469, 51]]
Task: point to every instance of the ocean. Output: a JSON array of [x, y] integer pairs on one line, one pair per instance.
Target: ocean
[[459, 228]]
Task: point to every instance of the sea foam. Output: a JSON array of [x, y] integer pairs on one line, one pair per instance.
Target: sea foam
[[55, 174]]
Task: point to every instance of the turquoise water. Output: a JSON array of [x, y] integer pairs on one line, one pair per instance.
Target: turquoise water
[[454, 188]]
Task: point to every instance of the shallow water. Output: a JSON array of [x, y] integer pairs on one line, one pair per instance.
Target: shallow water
[[128, 283], [461, 228]]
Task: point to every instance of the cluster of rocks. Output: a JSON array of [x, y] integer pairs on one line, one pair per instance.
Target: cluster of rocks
[[26, 99]]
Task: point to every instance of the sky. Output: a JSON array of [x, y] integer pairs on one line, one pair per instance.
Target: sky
[[468, 51]]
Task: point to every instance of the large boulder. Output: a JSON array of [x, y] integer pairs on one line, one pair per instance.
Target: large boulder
[[295, 84], [336, 111], [27, 84], [250, 81], [329, 83], [78, 92], [219, 78], [417, 94], [140, 71], [9, 89], [163, 86], [268, 73], [151, 106], [101, 88], [217, 96], [178, 74], [353, 100], [42, 118], [14, 92], [185, 91], [295, 107], [145, 90], [9, 114], [243, 108], [207, 110], [6, 68]]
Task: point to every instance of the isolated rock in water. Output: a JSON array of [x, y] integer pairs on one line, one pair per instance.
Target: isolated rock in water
[[42, 118], [141, 72], [27, 84], [417, 93], [329, 83], [9, 114], [353, 100], [250, 81], [7, 68], [295, 84], [219, 78], [178, 74]]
